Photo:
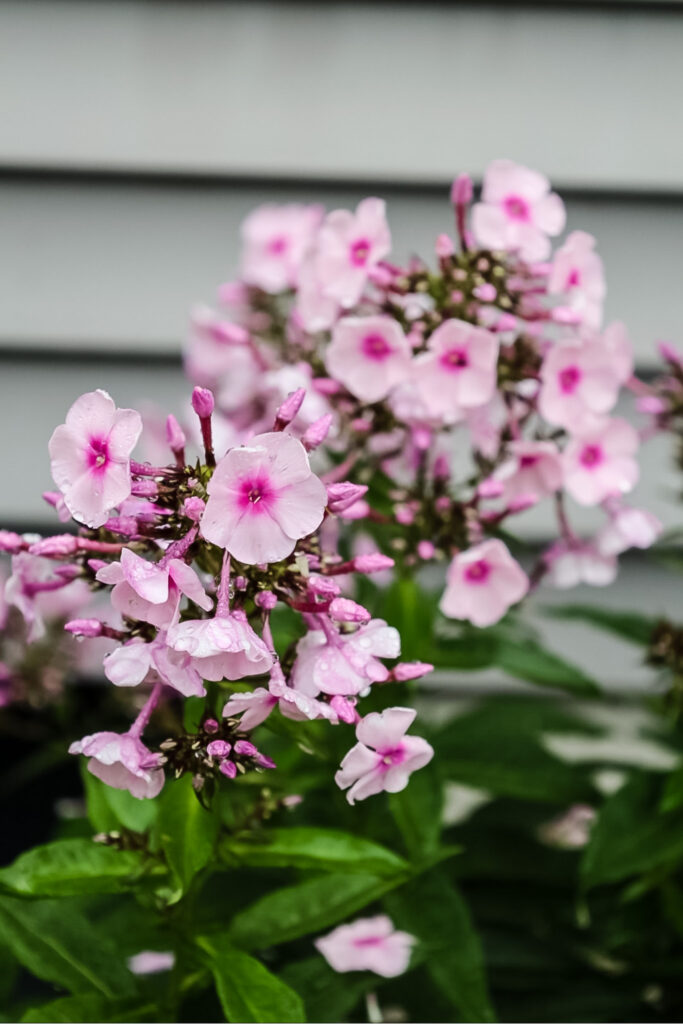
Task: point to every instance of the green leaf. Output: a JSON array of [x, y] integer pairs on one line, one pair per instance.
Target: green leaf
[[432, 909], [412, 611], [629, 625], [187, 831], [298, 910], [86, 1008], [247, 990], [110, 809], [58, 944], [462, 647], [417, 811], [672, 796], [316, 848], [530, 661], [329, 996], [70, 867], [632, 835]]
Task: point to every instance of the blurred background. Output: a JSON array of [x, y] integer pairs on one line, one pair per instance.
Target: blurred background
[[135, 136]]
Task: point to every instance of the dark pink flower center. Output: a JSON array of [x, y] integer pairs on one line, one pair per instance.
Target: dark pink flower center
[[376, 347], [455, 359], [98, 453], [517, 208], [278, 245], [527, 461], [391, 756], [478, 572], [256, 494], [569, 379], [359, 252], [591, 456], [573, 278], [370, 940]]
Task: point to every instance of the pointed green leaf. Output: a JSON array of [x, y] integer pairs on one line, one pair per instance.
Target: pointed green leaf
[[86, 1008], [530, 661], [317, 848], [186, 829], [70, 867], [631, 626], [247, 990]]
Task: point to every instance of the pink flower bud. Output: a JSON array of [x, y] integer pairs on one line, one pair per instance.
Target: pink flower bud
[[323, 586], [228, 768], [443, 503], [344, 709], [11, 542], [233, 293], [669, 353], [96, 564], [490, 488], [193, 508], [202, 402], [53, 498], [210, 725], [522, 502], [293, 800], [218, 748], [462, 190], [426, 550], [486, 292], [442, 470], [245, 748], [342, 495], [58, 546], [444, 247], [361, 424], [263, 761], [343, 609], [317, 432], [651, 405], [326, 386], [289, 408], [359, 510], [266, 600], [241, 582], [566, 315], [404, 515], [85, 627], [406, 670], [505, 322], [374, 562], [457, 296], [174, 435], [144, 488], [67, 572]]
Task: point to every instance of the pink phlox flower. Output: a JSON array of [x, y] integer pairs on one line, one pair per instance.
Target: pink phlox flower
[[517, 212], [368, 944], [216, 352], [458, 370], [628, 528], [253, 705], [532, 467], [90, 456], [314, 310], [38, 593], [482, 583], [577, 274], [349, 245], [573, 562], [581, 378], [151, 962], [384, 756], [224, 647], [150, 591], [485, 425], [369, 355], [122, 761], [600, 463], [262, 499], [136, 662], [276, 240], [344, 664]]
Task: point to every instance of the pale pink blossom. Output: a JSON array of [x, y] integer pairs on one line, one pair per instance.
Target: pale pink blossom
[[223, 647], [518, 211], [39, 593], [151, 962], [458, 370], [577, 274], [368, 944], [482, 583], [573, 562], [485, 425], [262, 498], [123, 762], [369, 355], [344, 664], [349, 246], [90, 456], [600, 463], [580, 381], [219, 355], [532, 467], [150, 591], [384, 756], [628, 528], [314, 310], [276, 240], [136, 662]]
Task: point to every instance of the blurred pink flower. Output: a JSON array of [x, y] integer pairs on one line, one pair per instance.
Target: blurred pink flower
[[600, 463], [368, 355], [458, 370], [482, 583], [533, 467], [276, 240], [368, 944], [518, 211], [577, 274], [628, 528], [580, 381], [573, 562], [349, 245], [122, 761]]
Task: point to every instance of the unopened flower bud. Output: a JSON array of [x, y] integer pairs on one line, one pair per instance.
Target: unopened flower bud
[[193, 508], [343, 609], [67, 572], [323, 586], [406, 670], [245, 748], [96, 564], [669, 353], [404, 515], [444, 246], [85, 627], [174, 435], [490, 488], [505, 322], [425, 550], [373, 562], [462, 190], [486, 292], [11, 542], [326, 386], [263, 761], [566, 315], [218, 748], [317, 432], [522, 502], [359, 510], [59, 546], [144, 488], [344, 709], [202, 402], [210, 725], [266, 600], [228, 768], [342, 495], [289, 408], [651, 405]]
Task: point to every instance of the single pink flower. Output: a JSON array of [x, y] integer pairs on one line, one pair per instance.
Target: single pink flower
[[151, 962], [349, 245], [276, 240], [253, 705], [573, 562], [224, 647], [39, 593], [122, 761], [343, 664], [384, 756], [90, 456], [150, 591], [136, 662], [580, 382], [517, 212], [458, 370], [482, 583], [368, 944], [262, 499], [216, 353], [628, 528], [369, 355], [532, 467], [601, 463], [577, 274]]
